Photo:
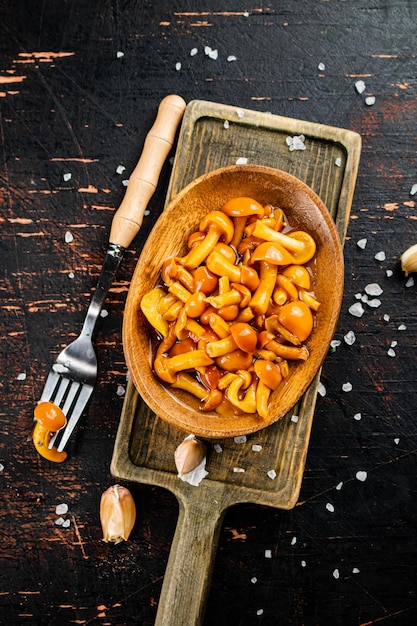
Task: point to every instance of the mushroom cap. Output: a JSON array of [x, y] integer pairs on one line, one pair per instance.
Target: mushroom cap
[[272, 252], [243, 207], [50, 416], [221, 221]]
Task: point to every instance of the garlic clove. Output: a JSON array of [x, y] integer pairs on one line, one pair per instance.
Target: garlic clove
[[409, 260], [189, 455], [117, 514]]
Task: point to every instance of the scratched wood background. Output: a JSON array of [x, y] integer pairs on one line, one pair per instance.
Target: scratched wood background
[[80, 83]]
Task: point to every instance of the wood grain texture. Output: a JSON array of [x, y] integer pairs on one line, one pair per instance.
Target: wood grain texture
[[70, 104]]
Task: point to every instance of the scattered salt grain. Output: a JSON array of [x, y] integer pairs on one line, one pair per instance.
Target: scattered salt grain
[[389, 273], [259, 612], [362, 243], [397, 440], [59, 521], [363, 297], [321, 67], [120, 54], [321, 390], [336, 574], [362, 476], [193, 52], [104, 313], [294, 418], [241, 161], [380, 256], [61, 509], [71, 275], [394, 344], [356, 309], [218, 448], [239, 470], [21, 376], [338, 162], [360, 86], [240, 439], [120, 391], [271, 474], [226, 124], [370, 100], [147, 212], [293, 541], [246, 14], [296, 142], [413, 190], [68, 237], [402, 327], [120, 169], [339, 486], [66, 523], [373, 289], [347, 387], [355, 570], [335, 343], [67, 176], [231, 58], [1, 467], [240, 113], [178, 66], [357, 416], [391, 352], [268, 554], [410, 282], [256, 447], [303, 564], [125, 182], [350, 338], [254, 580], [386, 317], [374, 303], [330, 507]]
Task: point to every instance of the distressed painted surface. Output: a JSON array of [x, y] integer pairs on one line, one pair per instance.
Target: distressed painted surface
[[80, 84]]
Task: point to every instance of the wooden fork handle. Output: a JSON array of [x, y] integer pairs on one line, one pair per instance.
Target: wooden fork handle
[[144, 178]]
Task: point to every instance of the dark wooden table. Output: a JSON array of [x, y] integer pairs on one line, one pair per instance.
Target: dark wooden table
[[80, 85]]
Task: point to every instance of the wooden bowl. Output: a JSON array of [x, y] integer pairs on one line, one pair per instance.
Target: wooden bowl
[[305, 211]]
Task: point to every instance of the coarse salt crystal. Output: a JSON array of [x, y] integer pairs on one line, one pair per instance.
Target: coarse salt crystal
[[321, 390], [339, 486], [293, 541], [296, 142], [21, 376], [386, 317], [240, 439], [350, 338], [294, 418], [59, 521], [193, 52], [254, 580], [374, 303], [120, 169], [357, 416], [394, 343], [330, 507], [246, 14], [303, 564], [410, 282], [226, 124], [338, 162], [361, 475], [104, 313], [120, 54], [241, 161], [68, 237], [389, 273], [370, 100], [147, 212], [231, 58], [356, 309], [256, 447], [321, 67], [67, 176], [240, 113], [336, 573], [347, 387], [61, 509], [397, 440], [1, 467], [413, 190], [120, 391], [360, 86], [362, 243], [125, 182], [373, 289], [218, 448], [335, 343], [239, 470], [66, 523], [364, 297], [71, 275], [380, 256], [391, 352], [402, 327], [268, 554], [355, 570], [259, 612], [271, 474], [178, 66]]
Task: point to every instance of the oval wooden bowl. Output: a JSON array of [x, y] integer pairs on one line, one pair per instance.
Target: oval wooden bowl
[[305, 211]]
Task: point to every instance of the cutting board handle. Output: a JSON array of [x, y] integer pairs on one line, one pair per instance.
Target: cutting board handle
[[144, 178], [188, 573]]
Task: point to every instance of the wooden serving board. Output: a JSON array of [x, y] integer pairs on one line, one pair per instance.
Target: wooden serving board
[[213, 135]]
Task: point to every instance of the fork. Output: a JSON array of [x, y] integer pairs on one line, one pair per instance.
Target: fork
[[72, 377]]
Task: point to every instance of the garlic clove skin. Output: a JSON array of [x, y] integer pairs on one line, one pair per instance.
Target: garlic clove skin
[[189, 455], [409, 260], [117, 514]]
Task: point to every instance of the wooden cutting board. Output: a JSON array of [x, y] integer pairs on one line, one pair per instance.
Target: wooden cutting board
[[213, 135]]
